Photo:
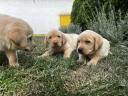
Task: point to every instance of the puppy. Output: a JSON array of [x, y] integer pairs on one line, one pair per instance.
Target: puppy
[[15, 34], [92, 46], [57, 42]]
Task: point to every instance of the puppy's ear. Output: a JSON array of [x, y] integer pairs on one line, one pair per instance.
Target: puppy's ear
[[18, 38], [98, 42], [64, 40], [46, 41]]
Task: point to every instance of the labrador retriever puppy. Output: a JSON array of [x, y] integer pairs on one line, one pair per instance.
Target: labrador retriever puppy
[[57, 42], [15, 34], [92, 46]]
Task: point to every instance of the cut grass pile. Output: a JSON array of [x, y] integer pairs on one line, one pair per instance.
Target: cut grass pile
[[55, 76]]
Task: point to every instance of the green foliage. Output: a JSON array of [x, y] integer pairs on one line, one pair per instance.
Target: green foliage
[[85, 10], [114, 31], [107, 27], [56, 76], [107, 18]]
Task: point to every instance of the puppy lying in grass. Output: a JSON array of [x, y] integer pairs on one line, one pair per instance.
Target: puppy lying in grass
[[57, 42], [15, 34], [92, 46]]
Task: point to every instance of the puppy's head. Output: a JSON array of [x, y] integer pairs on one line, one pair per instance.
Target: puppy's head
[[89, 43], [21, 38], [55, 39]]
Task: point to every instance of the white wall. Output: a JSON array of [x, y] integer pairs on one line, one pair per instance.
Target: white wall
[[42, 15]]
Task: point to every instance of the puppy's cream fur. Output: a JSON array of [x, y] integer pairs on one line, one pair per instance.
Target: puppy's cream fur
[[92, 46], [57, 41], [15, 34]]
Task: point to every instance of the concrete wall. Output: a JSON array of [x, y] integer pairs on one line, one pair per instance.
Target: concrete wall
[[42, 15]]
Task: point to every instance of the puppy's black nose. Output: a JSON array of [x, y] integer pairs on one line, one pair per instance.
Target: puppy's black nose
[[26, 50], [80, 50], [55, 42]]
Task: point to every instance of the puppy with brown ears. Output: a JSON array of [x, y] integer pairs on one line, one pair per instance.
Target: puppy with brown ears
[[92, 46], [57, 42], [15, 34]]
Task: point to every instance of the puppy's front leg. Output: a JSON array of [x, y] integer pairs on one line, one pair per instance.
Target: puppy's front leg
[[94, 60], [81, 59], [46, 54], [67, 53], [12, 57]]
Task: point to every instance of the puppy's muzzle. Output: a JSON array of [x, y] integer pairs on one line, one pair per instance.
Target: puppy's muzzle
[[80, 50], [55, 44], [30, 48]]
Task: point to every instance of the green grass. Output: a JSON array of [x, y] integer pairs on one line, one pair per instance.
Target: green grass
[[55, 76]]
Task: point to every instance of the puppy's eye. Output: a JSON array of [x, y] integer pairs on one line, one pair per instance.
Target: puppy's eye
[[87, 42], [30, 38], [50, 37], [58, 36]]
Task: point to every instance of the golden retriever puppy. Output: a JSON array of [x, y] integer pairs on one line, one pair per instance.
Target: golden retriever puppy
[[57, 41], [15, 34], [92, 46]]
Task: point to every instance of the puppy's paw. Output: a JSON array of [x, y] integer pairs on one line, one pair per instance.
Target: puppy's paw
[[39, 56], [83, 63], [80, 62], [14, 65], [91, 63], [66, 56], [42, 57]]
